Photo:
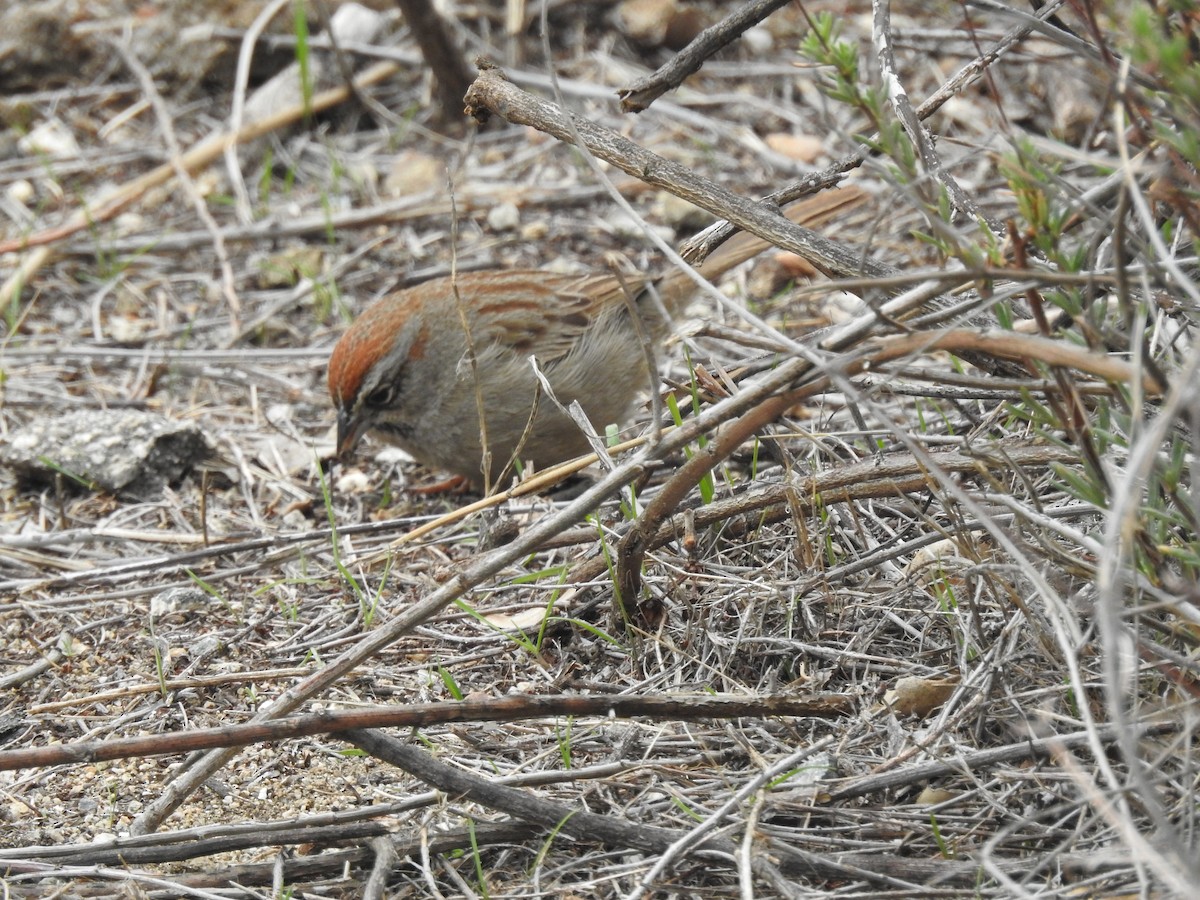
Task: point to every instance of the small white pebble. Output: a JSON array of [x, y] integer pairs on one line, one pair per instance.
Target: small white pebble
[[842, 306], [21, 191], [629, 226], [125, 331], [758, 39], [364, 175], [504, 217], [174, 599], [50, 138], [295, 520], [130, 223], [354, 481], [279, 413], [208, 183]]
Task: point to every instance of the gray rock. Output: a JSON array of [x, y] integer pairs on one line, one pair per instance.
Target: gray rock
[[127, 452]]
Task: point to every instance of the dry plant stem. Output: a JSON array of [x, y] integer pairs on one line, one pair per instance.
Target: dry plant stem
[[1040, 23], [632, 550], [538, 482], [233, 169], [277, 546], [341, 57], [163, 115], [124, 881], [1011, 346], [451, 73], [719, 816], [643, 335], [183, 845], [115, 574], [639, 95], [872, 479], [1031, 748], [386, 213], [1021, 347], [222, 837], [49, 660], [264, 830], [687, 707], [918, 135], [1005, 356], [1067, 404], [177, 849], [619, 832], [472, 358], [192, 161], [176, 684], [219, 363], [635, 544], [525, 805], [386, 859], [1175, 869], [491, 92], [696, 249], [813, 212], [1120, 536]]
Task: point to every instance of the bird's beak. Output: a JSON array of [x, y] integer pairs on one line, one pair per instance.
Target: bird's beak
[[350, 430]]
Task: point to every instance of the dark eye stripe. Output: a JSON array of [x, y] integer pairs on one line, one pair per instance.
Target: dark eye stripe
[[393, 428]]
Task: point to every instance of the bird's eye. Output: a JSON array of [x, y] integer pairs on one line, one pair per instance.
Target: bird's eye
[[381, 396]]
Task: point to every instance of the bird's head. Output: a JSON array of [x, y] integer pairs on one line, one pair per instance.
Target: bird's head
[[374, 370]]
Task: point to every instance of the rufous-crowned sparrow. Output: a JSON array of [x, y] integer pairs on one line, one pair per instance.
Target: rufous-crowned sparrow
[[402, 371]]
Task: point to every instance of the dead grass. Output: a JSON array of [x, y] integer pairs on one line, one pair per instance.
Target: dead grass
[[1032, 599]]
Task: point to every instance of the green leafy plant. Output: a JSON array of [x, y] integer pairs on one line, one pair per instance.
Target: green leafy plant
[[477, 858], [303, 53], [160, 667], [563, 735], [360, 592], [80, 480], [544, 850], [209, 589], [448, 681]]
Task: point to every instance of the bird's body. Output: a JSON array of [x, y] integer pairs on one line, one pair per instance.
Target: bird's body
[[587, 350]]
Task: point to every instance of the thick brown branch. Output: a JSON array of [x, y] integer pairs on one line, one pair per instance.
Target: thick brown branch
[[451, 73], [422, 715], [493, 93], [612, 831], [639, 95]]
